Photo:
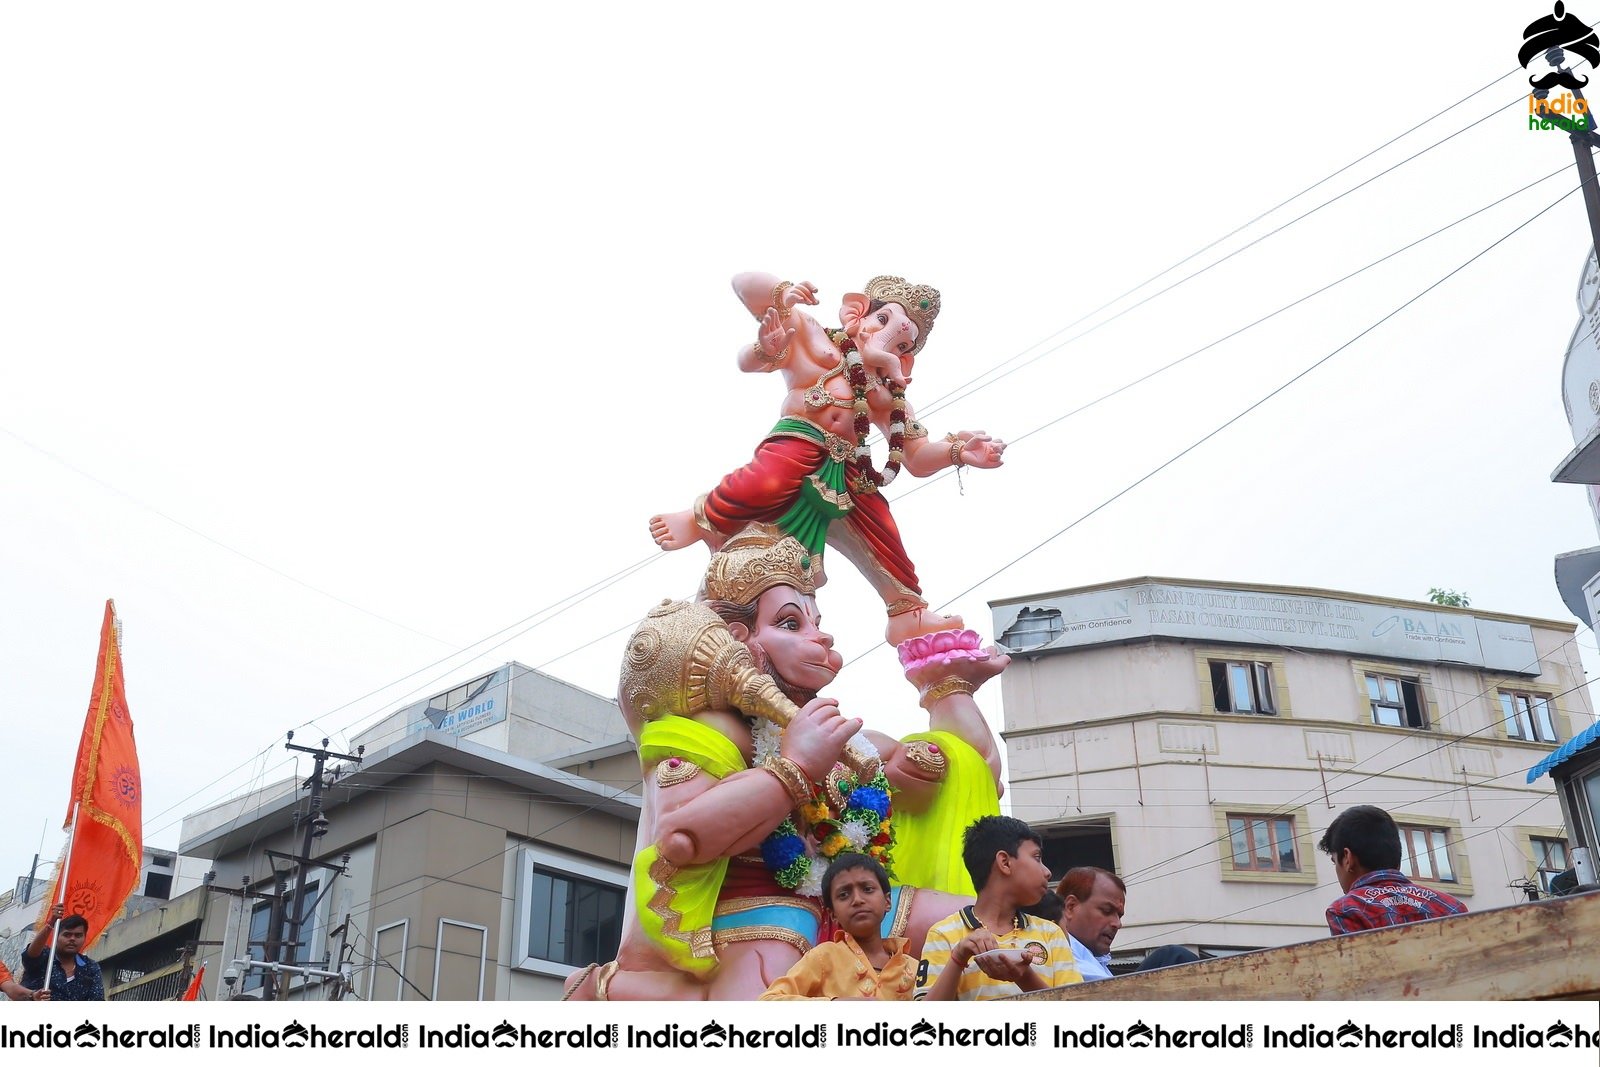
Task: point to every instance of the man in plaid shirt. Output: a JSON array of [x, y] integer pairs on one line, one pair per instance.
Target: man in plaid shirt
[[1364, 844]]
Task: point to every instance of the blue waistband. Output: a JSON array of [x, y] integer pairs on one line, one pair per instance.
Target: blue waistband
[[796, 918], [887, 929]]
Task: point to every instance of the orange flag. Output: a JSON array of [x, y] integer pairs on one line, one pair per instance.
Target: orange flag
[[108, 843], [193, 992]]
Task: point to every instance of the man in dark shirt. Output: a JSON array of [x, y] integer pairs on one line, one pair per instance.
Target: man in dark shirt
[[1364, 844], [72, 976]]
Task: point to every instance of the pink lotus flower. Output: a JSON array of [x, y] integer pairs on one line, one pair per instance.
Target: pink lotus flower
[[941, 647]]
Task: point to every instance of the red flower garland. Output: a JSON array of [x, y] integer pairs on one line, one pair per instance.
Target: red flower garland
[[870, 480]]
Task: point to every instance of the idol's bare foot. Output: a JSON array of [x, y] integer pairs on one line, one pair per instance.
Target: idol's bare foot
[[675, 530], [909, 624]]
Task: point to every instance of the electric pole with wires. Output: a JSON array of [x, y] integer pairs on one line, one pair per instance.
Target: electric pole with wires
[[315, 825]]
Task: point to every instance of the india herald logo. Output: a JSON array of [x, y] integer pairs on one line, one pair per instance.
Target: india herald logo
[[1546, 36]]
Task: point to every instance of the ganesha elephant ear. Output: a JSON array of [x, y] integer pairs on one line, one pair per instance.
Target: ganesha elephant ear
[[852, 311]]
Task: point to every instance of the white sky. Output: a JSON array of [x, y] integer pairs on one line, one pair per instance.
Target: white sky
[[426, 307]]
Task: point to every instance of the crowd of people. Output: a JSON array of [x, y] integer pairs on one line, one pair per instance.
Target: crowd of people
[[1022, 935]]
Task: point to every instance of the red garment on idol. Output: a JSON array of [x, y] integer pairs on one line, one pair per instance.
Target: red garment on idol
[[766, 487]]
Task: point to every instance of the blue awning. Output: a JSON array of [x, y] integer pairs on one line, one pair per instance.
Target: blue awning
[[1565, 752]]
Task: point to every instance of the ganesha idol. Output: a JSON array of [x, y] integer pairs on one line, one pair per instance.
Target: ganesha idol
[[753, 781], [814, 475]]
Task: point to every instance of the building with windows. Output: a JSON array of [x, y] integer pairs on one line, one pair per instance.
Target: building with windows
[[479, 851], [1198, 737]]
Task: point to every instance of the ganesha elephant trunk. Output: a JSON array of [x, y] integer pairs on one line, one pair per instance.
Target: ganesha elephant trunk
[[683, 660]]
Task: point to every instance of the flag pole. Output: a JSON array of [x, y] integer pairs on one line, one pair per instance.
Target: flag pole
[[61, 896]]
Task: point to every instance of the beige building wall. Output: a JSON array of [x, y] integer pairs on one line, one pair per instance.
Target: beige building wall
[[433, 890], [1127, 736]]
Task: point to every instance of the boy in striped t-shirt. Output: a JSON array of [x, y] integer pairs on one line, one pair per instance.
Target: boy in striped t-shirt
[[1004, 856]]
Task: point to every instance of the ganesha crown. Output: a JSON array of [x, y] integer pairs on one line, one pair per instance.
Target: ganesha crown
[[756, 559], [921, 302]]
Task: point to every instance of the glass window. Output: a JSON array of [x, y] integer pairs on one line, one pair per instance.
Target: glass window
[[1284, 835], [260, 930], [1550, 857], [1396, 701], [1589, 813], [1425, 853], [572, 921], [1262, 843], [1243, 687], [1241, 845], [1527, 716]]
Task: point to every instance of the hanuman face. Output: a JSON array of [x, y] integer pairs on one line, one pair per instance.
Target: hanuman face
[[789, 635]]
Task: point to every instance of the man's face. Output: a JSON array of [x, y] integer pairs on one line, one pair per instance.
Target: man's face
[[1030, 874], [70, 942], [788, 631], [858, 902], [1095, 921]]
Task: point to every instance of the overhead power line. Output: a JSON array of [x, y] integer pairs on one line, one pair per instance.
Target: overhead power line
[[926, 482], [1276, 391], [999, 370]]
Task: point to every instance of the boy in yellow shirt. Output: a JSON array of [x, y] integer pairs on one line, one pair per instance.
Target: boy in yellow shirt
[[1004, 856], [859, 963]]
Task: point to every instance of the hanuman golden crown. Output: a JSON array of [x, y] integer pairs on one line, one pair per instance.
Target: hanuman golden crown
[[756, 559], [920, 302]]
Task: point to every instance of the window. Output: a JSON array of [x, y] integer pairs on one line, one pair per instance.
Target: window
[[1527, 716], [1425, 853], [1262, 843], [261, 925], [569, 913], [1588, 804], [1084, 843], [1396, 701], [572, 921], [1243, 687], [1550, 859]]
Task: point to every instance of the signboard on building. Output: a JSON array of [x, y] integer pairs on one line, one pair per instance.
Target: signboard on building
[[1243, 615], [464, 709]]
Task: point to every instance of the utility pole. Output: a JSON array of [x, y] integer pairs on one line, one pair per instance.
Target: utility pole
[[315, 826], [1584, 142], [341, 985], [274, 943]]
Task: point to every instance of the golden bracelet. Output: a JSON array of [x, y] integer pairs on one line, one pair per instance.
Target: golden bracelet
[[777, 298], [939, 690], [791, 777], [761, 354], [955, 449]]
